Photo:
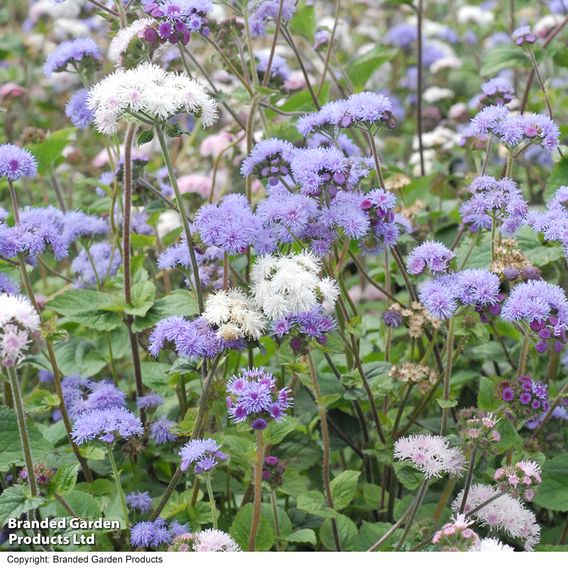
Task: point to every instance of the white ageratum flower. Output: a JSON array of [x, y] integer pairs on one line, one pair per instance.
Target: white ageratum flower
[[18, 322], [291, 284], [122, 40], [235, 315], [151, 91], [491, 545]]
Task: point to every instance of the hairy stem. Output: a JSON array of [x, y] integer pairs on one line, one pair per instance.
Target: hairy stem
[[257, 490], [116, 475]]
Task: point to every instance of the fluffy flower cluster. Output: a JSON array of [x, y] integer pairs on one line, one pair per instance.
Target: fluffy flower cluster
[[524, 397], [16, 162], [84, 395], [494, 199], [193, 339], [290, 284], [553, 221], [505, 514], [363, 109], [260, 12], [473, 287], [478, 429], [96, 265], [161, 431], [7, 285], [456, 536], [77, 109], [203, 455], [19, 325], [106, 425], [544, 307], [176, 20], [254, 395], [269, 159], [514, 129], [82, 52], [431, 455], [139, 501], [519, 480], [150, 90], [234, 315], [40, 228], [209, 540], [497, 91], [430, 255], [153, 534], [230, 225], [311, 325]]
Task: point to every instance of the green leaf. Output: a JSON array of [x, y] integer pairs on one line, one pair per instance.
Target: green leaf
[[10, 445], [48, 151], [240, 529], [552, 493], [277, 431], [369, 533], [143, 296], [14, 501], [155, 375], [145, 136], [79, 357], [304, 23], [361, 68], [502, 57], [313, 502], [407, 475], [558, 176], [302, 536], [537, 253], [487, 399], [64, 479], [443, 403], [346, 529], [343, 488], [84, 505], [177, 303], [90, 308]]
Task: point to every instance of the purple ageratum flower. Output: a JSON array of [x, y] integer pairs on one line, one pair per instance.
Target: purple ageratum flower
[[106, 425], [495, 199], [524, 36], [101, 263], [473, 287], [7, 285], [149, 401], [313, 325], [153, 534], [105, 395], [260, 12], [347, 213], [343, 142], [366, 109], [160, 431], [430, 255], [230, 226], [193, 339], [488, 119], [544, 308], [269, 159], [553, 222], [139, 501], [402, 35], [379, 205], [82, 50], [77, 110], [279, 69], [253, 395], [203, 455], [497, 91], [16, 162]]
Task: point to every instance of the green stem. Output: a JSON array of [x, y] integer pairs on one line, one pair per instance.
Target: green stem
[[469, 479], [211, 500], [414, 510], [116, 475], [276, 522], [447, 374], [23, 429], [257, 490], [183, 215], [522, 366]]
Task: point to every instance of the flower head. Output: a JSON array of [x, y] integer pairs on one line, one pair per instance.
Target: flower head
[[77, 109], [80, 51], [139, 501], [160, 431], [203, 455], [16, 162], [106, 425], [430, 255]]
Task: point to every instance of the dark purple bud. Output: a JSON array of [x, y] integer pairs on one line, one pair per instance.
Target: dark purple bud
[[511, 273]]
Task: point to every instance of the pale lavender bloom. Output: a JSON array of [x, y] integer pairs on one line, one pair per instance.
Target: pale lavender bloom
[[497, 91], [101, 262], [153, 534], [345, 144], [269, 159], [16, 162], [7, 285], [160, 431], [279, 68], [317, 169], [78, 51], [230, 225], [488, 119], [253, 395], [106, 425], [347, 213], [430, 255], [524, 36], [313, 324], [260, 12], [402, 35], [204, 455], [432, 455], [139, 501], [149, 401], [77, 110]]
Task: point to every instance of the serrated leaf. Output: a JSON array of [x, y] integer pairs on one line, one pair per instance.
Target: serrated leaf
[[313, 502], [343, 488], [443, 403], [552, 493], [501, 57], [177, 303], [14, 501], [304, 22], [240, 529], [64, 479], [143, 295], [302, 536], [360, 69], [346, 530], [48, 151]]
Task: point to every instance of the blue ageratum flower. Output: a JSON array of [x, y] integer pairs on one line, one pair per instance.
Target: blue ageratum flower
[[160, 431], [203, 455], [101, 262], [82, 50], [153, 534], [77, 110], [16, 162], [430, 255], [106, 425], [253, 395], [139, 501]]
